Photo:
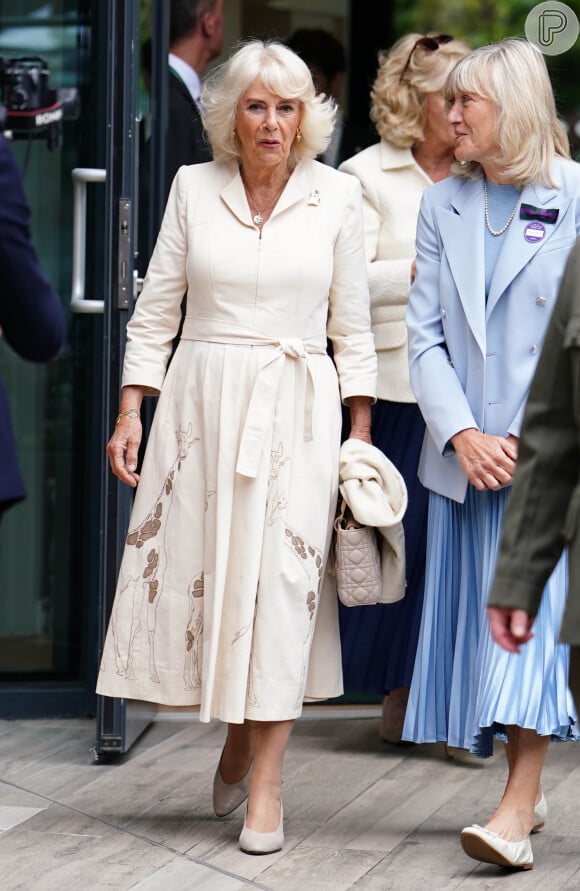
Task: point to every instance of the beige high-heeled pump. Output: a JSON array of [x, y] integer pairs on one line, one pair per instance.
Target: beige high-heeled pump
[[229, 796], [252, 842]]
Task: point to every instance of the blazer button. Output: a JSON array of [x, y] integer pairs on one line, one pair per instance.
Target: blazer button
[[540, 301], [534, 350], [443, 313]]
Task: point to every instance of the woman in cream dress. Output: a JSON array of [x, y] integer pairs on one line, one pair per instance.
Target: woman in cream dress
[[221, 600]]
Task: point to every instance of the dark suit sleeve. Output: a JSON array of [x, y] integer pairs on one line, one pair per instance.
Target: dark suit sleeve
[[548, 462], [187, 142], [31, 315]]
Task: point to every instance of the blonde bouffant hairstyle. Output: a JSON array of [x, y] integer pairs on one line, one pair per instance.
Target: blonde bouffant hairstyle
[[399, 94], [513, 75], [284, 74]]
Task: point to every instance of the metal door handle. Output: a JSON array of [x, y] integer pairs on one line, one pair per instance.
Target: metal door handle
[[81, 177]]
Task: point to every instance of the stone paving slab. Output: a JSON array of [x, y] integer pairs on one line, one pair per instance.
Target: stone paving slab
[[358, 814]]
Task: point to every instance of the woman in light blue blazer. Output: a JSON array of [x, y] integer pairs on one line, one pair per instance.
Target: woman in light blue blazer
[[492, 243]]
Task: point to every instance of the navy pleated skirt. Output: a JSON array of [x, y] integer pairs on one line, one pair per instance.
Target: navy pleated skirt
[[379, 642], [465, 687]]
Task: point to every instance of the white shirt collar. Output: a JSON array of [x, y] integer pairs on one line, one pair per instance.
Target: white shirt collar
[[188, 75]]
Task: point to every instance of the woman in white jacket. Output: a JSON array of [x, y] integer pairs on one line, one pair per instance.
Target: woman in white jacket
[[416, 150]]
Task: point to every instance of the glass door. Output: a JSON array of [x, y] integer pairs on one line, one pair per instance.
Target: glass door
[[59, 548], [47, 565]]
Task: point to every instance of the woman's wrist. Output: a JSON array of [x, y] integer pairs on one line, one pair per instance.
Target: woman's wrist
[[360, 409], [131, 399], [131, 413]]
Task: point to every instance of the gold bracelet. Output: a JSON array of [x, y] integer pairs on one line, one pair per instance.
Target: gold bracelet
[[128, 413]]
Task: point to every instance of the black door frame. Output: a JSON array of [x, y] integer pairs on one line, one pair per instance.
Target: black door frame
[[119, 721]]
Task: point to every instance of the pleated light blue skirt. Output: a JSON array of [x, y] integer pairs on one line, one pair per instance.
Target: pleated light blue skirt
[[465, 688]]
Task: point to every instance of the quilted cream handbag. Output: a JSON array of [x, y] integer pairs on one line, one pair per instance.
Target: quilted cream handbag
[[357, 561]]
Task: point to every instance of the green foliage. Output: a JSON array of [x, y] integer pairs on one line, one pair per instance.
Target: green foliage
[[478, 21], [145, 19], [487, 21]]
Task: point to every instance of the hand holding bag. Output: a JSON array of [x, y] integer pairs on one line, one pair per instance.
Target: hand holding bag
[[357, 561]]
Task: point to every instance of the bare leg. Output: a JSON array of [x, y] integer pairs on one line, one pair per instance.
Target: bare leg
[[269, 742], [237, 752], [393, 714], [525, 752]]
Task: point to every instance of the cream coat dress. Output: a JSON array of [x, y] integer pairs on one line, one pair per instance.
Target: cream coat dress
[[223, 599]]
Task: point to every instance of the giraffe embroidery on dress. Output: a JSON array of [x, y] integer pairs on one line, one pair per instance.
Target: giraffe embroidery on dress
[[194, 634], [277, 503], [126, 623], [152, 532], [311, 560]]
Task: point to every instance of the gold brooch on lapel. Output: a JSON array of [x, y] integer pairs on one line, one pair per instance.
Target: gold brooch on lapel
[[314, 199]]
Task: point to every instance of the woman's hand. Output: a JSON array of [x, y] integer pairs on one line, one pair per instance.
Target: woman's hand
[[123, 446], [488, 461], [510, 628], [360, 418]]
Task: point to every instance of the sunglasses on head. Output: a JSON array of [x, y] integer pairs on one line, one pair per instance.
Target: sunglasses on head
[[427, 43]]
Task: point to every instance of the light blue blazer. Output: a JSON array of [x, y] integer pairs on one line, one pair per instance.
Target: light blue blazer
[[471, 364]]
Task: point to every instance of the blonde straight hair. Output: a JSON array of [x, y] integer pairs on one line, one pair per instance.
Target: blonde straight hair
[[514, 76]]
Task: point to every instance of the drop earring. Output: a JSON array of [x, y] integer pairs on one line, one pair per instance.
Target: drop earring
[[299, 134]]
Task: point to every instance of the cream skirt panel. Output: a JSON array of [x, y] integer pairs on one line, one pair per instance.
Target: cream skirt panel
[[223, 599]]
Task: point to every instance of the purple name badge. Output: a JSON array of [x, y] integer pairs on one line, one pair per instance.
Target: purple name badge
[[534, 232]]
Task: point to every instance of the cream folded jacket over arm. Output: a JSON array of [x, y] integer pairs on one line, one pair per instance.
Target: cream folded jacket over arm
[[376, 493]]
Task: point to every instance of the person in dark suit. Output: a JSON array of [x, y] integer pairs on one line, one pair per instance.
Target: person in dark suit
[[195, 39], [31, 315]]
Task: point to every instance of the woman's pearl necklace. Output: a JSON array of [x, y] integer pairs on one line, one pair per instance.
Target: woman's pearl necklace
[[487, 222]]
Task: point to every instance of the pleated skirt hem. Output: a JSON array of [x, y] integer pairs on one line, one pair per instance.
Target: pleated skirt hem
[[465, 688]]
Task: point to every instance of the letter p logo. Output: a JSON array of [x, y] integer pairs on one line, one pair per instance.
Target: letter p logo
[[553, 27], [551, 22]]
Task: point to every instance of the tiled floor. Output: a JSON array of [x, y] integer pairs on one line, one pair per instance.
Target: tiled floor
[[358, 814]]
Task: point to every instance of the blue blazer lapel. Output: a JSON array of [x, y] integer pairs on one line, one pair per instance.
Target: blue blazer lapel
[[462, 236], [516, 252]]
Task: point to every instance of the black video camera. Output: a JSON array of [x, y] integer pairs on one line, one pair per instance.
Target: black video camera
[[29, 107]]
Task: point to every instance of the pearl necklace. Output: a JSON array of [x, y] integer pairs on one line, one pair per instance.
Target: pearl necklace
[[496, 232]]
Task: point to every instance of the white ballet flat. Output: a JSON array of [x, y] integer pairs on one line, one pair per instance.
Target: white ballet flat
[[480, 844], [229, 796], [540, 814], [252, 842]]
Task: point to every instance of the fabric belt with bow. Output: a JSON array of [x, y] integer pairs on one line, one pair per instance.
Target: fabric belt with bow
[[262, 404]]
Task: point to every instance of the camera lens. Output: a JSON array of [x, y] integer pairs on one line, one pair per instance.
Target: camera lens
[[17, 98]]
